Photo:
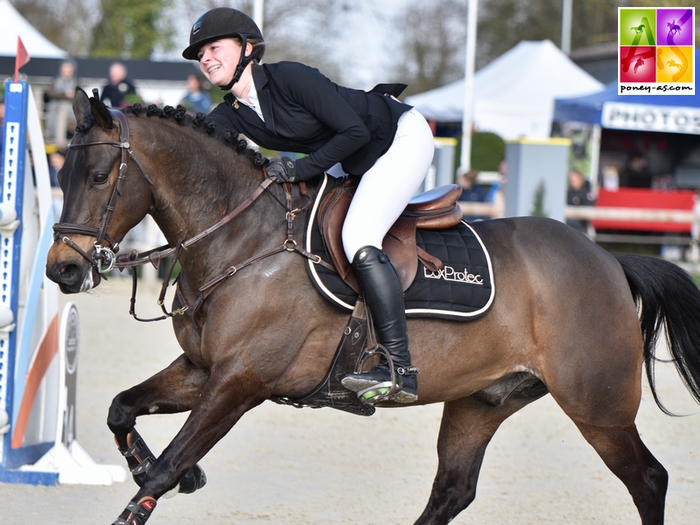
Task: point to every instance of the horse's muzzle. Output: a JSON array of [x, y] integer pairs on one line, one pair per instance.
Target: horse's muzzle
[[72, 274]]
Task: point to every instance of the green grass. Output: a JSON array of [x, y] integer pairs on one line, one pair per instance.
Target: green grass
[[696, 278]]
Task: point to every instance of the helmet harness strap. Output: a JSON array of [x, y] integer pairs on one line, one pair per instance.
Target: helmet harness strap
[[243, 62]]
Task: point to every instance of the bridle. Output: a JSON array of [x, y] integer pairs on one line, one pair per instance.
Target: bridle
[[104, 258]]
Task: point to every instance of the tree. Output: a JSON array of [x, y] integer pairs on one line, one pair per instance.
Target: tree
[[300, 31], [504, 23], [66, 23], [131, 29], [432, 38]]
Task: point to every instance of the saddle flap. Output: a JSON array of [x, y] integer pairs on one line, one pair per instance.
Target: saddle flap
[[455, 274], [399, 243]]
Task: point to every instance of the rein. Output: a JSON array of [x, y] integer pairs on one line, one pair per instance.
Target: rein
[[153, 256], [105, 258]]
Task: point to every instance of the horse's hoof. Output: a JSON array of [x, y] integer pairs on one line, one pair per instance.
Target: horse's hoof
[[194, 479]]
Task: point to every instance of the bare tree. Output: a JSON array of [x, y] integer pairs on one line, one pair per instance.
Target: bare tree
[[300, 31], [432, 38], [66, 23], [504, 23]]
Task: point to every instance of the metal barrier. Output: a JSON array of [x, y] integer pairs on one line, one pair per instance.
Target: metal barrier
[[592, 213]]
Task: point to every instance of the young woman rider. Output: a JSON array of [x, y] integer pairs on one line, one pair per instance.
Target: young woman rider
[[288, 106]]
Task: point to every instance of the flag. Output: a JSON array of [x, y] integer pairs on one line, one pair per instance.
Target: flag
[[21, 59]]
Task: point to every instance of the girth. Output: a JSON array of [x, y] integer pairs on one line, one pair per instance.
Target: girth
[[435, 209]]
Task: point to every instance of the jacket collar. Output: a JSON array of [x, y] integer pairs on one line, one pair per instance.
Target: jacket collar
[[264, 99], [261, 85]]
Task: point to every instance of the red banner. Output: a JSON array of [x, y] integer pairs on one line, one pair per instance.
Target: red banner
[[21, 59]]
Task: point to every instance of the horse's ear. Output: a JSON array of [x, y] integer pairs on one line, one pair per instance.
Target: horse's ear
[[101, 113], [80, 105]]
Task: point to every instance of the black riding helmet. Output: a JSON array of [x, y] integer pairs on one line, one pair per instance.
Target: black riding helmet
[[224, 22]]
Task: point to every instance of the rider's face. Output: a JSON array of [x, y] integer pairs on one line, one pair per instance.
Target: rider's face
[[218, 60]]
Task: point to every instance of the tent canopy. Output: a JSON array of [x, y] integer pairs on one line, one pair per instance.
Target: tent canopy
[[671, 113], [12, 25], [513, 95]]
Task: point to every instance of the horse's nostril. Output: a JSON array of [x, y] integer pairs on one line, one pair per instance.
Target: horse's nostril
[[69, 276]]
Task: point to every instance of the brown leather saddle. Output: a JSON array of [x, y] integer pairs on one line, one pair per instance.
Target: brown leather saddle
[[435, 209]]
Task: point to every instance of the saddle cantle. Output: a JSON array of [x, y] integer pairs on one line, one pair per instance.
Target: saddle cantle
[[435, 209], [446, 272]]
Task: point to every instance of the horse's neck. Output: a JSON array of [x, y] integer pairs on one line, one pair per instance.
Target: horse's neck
[[197, 186], [196, 183]]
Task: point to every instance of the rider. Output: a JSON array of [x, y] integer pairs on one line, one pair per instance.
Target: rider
[[288, 106]]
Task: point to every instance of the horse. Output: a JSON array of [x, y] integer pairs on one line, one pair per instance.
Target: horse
[[569, 319], [673, 28]]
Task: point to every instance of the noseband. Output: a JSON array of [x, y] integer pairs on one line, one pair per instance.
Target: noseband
[[104, 257]]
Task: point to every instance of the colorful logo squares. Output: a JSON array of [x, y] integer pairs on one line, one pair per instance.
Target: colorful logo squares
[[656, 53]]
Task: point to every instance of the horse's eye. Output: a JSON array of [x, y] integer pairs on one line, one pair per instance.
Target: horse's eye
[[99, 178]]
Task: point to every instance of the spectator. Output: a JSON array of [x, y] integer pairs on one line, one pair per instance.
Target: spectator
[[60, 120], [471, 190], [579, 194], [197, 99], [56, 158], [119, 87], [636, 173]]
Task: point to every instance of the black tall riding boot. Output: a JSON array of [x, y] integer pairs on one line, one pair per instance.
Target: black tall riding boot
[[383, 296]]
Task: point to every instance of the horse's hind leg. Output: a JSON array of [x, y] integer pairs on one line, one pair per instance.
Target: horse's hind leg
[[628, 458], [465, 431]]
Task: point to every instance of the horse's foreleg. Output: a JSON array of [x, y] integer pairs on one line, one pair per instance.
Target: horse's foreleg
[[628, 458], [227, 395], [174, 389], [466, 429]]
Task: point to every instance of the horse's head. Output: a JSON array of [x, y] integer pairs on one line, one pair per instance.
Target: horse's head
[[98, 210]]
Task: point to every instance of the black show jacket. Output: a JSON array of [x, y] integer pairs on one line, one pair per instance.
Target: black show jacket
[[305, 112]]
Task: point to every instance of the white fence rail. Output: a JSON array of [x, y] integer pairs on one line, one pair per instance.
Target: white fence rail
[[592, 213]]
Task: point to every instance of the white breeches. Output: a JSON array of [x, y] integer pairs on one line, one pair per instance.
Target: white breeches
[[386, 188]]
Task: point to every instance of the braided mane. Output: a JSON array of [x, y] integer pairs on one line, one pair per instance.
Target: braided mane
[[180, 115]]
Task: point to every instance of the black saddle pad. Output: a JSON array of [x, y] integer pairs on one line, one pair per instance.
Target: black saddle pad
[[463, 290]]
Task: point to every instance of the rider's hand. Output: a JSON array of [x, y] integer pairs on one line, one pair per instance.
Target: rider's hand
[[283, 169]]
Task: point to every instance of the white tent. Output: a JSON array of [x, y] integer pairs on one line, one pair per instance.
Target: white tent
[[12, 24], [513, 95]]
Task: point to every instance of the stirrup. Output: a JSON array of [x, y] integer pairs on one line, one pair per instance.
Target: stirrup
[[377, 393], [391, 390], [386, 391]]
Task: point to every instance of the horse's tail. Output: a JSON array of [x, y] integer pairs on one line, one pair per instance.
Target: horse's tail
[[669, 298]]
